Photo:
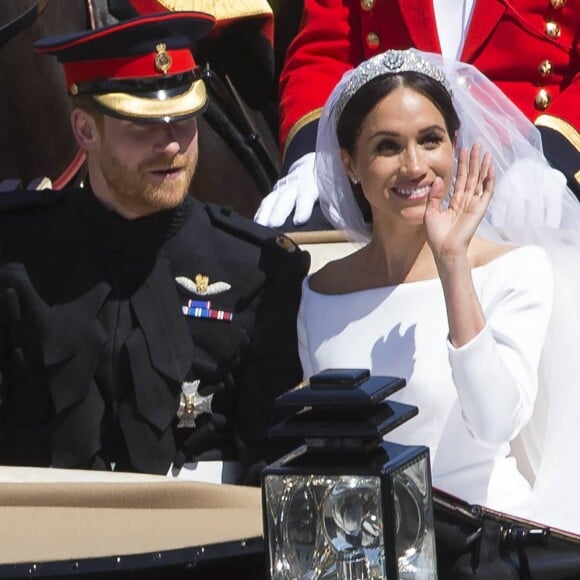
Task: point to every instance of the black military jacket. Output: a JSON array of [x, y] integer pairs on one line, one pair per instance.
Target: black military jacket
[[103, 319]]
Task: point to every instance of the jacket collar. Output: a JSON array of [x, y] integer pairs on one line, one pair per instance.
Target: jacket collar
[[484, 19], [419, 18]]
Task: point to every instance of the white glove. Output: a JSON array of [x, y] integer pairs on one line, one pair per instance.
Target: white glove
[[297, 189], [529, 193]]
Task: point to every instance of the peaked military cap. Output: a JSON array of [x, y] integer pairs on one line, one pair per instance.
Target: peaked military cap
[[140, 69]]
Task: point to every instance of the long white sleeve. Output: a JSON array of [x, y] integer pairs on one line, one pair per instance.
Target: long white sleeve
[[496, 373], [303, 351]]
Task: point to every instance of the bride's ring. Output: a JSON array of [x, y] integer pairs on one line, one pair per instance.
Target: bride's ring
[[479, 190]]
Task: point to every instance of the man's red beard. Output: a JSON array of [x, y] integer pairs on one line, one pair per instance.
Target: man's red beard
[[139, 190]]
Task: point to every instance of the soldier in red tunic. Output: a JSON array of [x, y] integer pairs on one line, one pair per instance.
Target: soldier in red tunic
[[528, 48]]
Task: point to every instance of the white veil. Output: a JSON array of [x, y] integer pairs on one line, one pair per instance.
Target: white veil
[[531, 205]]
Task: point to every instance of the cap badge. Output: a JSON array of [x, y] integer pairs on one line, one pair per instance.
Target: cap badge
[[200, 286], [163, 60], [192, 404]]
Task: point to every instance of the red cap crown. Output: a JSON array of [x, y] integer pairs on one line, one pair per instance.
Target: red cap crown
[[141, 68]]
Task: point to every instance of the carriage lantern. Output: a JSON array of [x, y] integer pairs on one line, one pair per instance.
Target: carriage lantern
[[348, 505]]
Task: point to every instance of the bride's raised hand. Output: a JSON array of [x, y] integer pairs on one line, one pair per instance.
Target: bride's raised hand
[[451, 229]]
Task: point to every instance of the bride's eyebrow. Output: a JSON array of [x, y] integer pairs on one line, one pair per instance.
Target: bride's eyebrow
[[394, 134], [432, 128], [382, 133]]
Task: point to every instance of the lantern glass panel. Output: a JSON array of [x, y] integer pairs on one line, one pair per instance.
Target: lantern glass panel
[[414, 527], [325, 526]]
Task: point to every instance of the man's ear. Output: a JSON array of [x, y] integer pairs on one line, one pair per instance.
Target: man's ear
[[84, 129]]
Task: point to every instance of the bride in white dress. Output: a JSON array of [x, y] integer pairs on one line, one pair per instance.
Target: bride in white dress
[[448, 289]]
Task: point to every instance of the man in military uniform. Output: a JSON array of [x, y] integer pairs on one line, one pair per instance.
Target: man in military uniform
[[140, 329], [528, 48]]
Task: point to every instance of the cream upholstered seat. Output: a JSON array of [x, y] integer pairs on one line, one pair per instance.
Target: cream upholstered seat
[[323, 246]]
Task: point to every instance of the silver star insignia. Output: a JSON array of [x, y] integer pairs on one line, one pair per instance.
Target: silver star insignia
[[192, 404]]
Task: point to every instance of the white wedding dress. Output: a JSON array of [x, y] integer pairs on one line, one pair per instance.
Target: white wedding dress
[[472, 400]]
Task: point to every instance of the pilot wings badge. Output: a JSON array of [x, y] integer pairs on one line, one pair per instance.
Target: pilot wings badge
[[200, 285]]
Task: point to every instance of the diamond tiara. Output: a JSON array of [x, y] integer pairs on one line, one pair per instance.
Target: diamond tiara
[[389, 62]]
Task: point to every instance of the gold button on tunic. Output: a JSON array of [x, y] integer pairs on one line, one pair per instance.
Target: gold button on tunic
[[543, 99], [552, 29], [545, 68], [373, 40]]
